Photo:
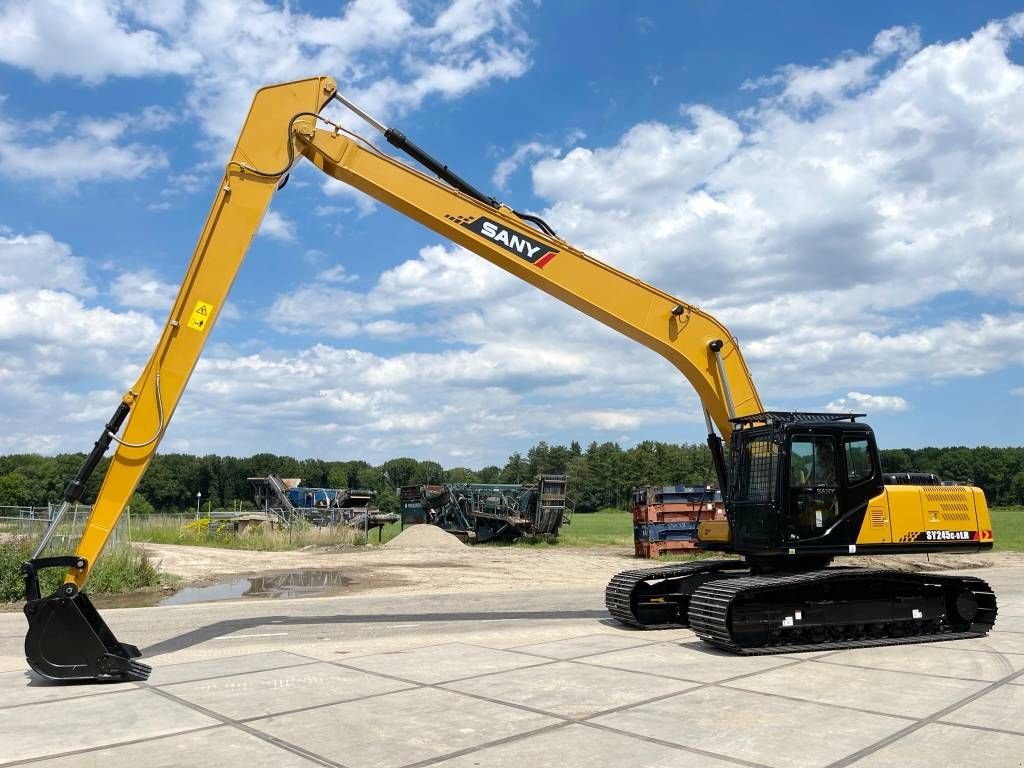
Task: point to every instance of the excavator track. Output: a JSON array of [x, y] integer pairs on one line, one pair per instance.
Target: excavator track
[[657, 598], [839, 608]]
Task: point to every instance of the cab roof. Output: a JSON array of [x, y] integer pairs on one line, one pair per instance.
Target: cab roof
[[779, 418]]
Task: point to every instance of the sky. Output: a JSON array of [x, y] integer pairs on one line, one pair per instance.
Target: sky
[[841, 185]]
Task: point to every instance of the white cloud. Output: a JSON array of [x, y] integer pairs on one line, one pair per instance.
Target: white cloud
[[60, 354], [37, 261], [387, 55], [67, 152], [277, 226], [51, 316], [354, 403], [360, 202], [1018, 391], [440, 277], [143, 290], [386, 58], [859, 401], [336, 274], [156, 118], [465, 21], [651, 159], [817, 235], [89, 39], [522, 153], [827, 224]]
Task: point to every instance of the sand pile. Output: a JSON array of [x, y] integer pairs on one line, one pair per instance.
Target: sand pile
[[424, 537]]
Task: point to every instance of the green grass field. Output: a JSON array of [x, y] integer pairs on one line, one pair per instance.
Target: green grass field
[[204, 533], [1008, 528], [614, 527], [606, 528]]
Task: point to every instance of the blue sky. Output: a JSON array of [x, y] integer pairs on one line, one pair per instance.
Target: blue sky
[[841, 185]]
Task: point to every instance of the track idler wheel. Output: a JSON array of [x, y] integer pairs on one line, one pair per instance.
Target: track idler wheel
[[67, 640], [962, 609]]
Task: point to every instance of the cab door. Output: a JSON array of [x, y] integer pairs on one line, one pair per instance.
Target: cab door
[[863, 495], [813, 492]]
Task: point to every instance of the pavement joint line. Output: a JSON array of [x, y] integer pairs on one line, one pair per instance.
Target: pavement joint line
[[235, 674], [361, 699], [935, 717], [487, 745], [576, 637], [545, 663], [127, 743], [235, 656], [721, 684], [985, 728], [829, 704], [265, 737], [588, 655], [938, 646], [682, 747], [922, 674], [62, 699], [585, 721], [695, 685], [969, 650], [440, 644], [825, 658], [488, 648], [444, 682], [701, 683], [533, 710]]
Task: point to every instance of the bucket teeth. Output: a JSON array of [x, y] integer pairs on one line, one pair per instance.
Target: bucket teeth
[[68, 641]]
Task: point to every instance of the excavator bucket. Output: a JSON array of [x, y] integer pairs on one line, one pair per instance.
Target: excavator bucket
[[67, 640]]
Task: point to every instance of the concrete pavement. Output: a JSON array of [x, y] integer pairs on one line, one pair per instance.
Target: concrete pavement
[[522, 679]]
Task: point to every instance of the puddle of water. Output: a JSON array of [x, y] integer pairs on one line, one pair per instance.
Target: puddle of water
[[310, 583]]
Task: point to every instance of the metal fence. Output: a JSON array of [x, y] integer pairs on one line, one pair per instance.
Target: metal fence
[[32, 522]]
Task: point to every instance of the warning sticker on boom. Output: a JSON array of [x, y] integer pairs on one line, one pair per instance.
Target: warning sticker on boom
[[201, 316]]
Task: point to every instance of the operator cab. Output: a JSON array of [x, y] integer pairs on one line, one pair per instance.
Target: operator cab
[[799, 483]]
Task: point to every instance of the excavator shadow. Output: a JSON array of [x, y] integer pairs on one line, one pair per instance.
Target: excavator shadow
[[221, 628]]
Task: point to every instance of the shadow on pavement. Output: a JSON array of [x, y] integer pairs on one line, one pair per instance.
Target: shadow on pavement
[[210, 631]]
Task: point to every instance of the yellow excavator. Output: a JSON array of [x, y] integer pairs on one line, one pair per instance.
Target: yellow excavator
[[800, 488]]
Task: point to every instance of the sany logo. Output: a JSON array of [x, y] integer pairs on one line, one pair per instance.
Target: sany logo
[[524, 247]]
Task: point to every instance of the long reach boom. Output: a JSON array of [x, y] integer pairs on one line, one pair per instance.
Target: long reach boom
[[800, 488], [284, 124]]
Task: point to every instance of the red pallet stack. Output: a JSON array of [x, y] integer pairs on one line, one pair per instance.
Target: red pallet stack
[[665, 517]]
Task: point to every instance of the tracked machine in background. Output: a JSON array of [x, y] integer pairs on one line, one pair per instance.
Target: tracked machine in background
[[479, 512], [800, 489], [291, 501]]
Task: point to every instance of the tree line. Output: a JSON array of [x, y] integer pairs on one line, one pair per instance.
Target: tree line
[[601, 475]]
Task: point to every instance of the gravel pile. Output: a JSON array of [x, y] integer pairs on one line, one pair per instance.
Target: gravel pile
[[424, 537]]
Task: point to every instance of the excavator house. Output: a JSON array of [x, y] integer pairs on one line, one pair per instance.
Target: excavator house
[[800, 488]]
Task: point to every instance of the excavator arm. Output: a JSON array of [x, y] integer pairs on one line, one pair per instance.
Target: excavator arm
[[67, 639]]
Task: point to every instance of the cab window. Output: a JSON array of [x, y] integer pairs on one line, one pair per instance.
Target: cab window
[[812, 463], [859, 464]]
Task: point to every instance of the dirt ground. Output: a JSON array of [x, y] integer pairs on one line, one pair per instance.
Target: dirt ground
[[476, 569]]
